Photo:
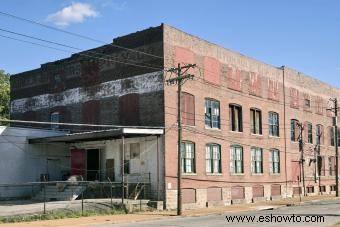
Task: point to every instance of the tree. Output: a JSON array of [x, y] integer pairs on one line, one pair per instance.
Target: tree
[[4, 95]]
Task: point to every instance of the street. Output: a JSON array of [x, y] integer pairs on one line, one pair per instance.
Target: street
[[330, 210]]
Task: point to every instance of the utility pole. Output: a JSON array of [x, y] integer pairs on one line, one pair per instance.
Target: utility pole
[[180, 79], [335, 124], [302, 160]]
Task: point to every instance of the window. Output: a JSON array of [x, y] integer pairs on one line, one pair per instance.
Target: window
[[331, 136], [321, 165], [294, 134], [331, 164], [213, 158], [309, 132], [55, 117], [274, 161], [188, 109], [188, 157], [319, 134], [307, 103], [236, 159], [273, 124], [235, 113], [256, 121], [256, 160], [212, 113]]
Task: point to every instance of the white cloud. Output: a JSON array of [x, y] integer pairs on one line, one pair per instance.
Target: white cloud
[[75, 13]]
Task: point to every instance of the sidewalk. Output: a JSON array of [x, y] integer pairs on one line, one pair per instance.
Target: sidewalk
[[124, 218]]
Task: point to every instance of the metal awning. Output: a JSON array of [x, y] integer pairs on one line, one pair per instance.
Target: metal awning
[[99, 135]]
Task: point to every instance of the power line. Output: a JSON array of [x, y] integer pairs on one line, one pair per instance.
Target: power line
[[74, 34]]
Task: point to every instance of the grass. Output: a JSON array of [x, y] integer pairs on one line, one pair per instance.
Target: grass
[[60, 215]]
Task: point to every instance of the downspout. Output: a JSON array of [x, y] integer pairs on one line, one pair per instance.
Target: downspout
[[284, 126]]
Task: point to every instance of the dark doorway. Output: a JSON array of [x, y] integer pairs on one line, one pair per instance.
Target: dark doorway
[[93, 165]]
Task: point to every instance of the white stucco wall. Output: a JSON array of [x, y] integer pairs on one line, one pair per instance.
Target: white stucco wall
[[21, 162]]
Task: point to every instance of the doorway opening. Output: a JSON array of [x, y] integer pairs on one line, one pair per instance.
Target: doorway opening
[[93, 164]]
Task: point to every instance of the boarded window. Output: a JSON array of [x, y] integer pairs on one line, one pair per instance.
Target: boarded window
[[255, 87], [318, 105], [294, 98], [214, 194], [258, 191], [275, 190], [237, 192], [188, 195], [129, 109], [211, 70], [188, 109], [234, 79], [91, 112], [273, 90]]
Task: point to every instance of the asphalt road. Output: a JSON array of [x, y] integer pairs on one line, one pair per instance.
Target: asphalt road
[[326, 212]]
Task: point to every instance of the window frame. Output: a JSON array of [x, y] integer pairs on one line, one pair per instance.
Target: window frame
[[254, 128], [274, 129], [274, 169], [235, 110], [212, 161], [208, 115], [256, 165], [293, 125], [236, 164], [185, 159], [309, 132]]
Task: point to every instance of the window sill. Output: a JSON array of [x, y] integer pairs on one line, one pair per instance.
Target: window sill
[[257, 174], [274, 174], [189, 174], [214, 129], [236, 132], [236, 174], [274, 137], [214, 174], [256, 134]]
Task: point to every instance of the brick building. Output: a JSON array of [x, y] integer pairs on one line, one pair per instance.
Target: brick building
[[240, 133]]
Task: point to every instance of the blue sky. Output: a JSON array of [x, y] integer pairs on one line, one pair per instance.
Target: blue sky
[[303, 34]]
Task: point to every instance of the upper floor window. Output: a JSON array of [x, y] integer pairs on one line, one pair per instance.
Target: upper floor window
[[319, 134], [235, 113], [188, 157], [256, 160], [331, 136], [212, 113], [309, 132], [274, 161], [294, 131], [236, 159], [55, 118], [273, 124], [188, 109], [213, 158], [256, 121]]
